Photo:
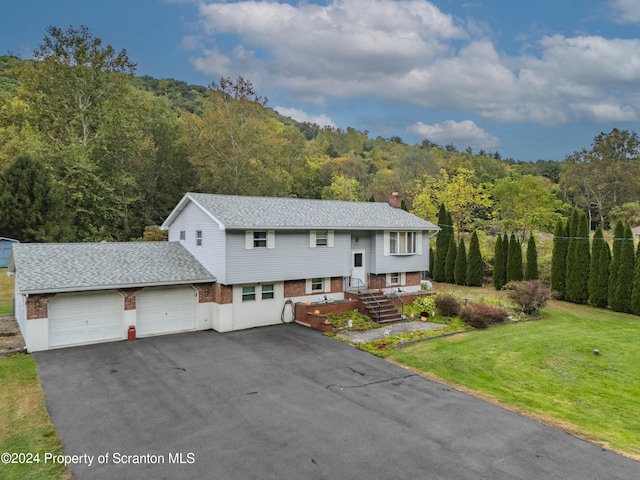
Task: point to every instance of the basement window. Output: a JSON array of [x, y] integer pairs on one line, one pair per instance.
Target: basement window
[[249, 293], [267, 291]]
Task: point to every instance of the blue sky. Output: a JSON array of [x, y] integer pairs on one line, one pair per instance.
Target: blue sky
[[531, 80]]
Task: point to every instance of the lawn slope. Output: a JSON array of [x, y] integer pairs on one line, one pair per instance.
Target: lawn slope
[[548, 369]]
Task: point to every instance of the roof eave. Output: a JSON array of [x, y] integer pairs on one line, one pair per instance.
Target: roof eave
[[89, 288]]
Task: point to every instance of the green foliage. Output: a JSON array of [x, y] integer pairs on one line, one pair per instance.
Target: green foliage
[[359, 321], [31, 208], [514, 260], [577, 277], [442, 245], [599, 270], [618, 239], [475, 265], [421, 304], [460, 267], [450, 265], [559, 259], [525, 203], [499, 264], [531, 269], [623, 285], [635, 295]]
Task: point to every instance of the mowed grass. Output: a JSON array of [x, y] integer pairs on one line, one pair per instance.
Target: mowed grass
[[6, 293], [24, 422], [547, 369]]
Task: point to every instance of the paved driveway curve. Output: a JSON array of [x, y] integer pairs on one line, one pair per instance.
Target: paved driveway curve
[[286, 403]]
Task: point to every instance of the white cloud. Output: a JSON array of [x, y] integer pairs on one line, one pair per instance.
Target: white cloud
[[302, 116], [462, 134], [626, 11], [409, 51]]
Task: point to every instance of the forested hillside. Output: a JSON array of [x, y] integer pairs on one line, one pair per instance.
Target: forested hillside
[[89, 152]]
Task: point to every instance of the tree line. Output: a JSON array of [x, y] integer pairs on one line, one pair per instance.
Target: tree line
[[90, 152]]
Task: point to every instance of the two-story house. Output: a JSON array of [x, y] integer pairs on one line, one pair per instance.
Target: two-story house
[[231, 263], [263, 251]]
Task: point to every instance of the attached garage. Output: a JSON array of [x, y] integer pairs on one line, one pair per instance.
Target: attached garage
[[81, 293], [88, 317], [166, 310]]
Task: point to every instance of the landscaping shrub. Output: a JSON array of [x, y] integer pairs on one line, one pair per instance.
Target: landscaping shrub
[[447, 305], [531, 296], [419, 305], [481, 315]]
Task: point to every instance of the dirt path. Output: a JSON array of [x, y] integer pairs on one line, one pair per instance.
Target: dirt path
[[10, 336]]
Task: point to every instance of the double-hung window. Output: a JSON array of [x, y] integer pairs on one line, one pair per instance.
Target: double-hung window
[[248, 293], [198, 238], [267, 291], [317, 284], [183, 235], [322, 237], [260, 239]]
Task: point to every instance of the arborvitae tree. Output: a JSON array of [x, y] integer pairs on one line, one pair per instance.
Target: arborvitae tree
[[635, 295], [442, 245], [531, 269], [572, 227], [559, 259], [599, 270], [450, 265], [621, 300], [499, 270], [475, 266], [578, 263], [460, 270], [618, 236], [432, 261], [514, 260]]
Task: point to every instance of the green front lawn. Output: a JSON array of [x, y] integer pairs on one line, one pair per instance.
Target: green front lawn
[[24, 422], [548, 369]]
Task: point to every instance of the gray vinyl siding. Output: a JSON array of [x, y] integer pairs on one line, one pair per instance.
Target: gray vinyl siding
[[291, 259], [211, 253], [382, 263]]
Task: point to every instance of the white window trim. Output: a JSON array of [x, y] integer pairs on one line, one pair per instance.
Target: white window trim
[[313, 237], [387, 242], [402, 278], [326, 285], [249, 240], [255, 293], [199, 238]]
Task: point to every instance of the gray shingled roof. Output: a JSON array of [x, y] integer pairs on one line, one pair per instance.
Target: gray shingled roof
[[239, 212], [61, 267]]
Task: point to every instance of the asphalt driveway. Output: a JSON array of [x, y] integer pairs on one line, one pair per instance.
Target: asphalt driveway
[[286, 403]]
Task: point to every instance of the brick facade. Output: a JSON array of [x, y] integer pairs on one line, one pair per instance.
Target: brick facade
[[413, 278], [129, 295], [295, 288], [206, 292], [222, 294], [38, 306]]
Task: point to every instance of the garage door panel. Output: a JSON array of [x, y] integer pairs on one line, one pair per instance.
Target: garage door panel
[[85, 318], [165, 310]]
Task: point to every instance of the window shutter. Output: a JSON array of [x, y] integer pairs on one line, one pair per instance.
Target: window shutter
[[271, 239], [312, 238], [248, 239], [327, 284], [387, 242], [330, 238], [307, 289], [403, 278], [419, 242]]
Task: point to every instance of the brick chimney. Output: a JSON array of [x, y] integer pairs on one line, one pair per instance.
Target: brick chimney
[[395, 200]]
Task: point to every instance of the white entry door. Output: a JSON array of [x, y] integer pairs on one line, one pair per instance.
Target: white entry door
[[358, 271]]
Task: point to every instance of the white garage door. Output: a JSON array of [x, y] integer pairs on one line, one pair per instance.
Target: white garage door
[[165, 310], [91, 317]]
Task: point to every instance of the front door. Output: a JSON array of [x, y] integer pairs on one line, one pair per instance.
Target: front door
[[358, 272]]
